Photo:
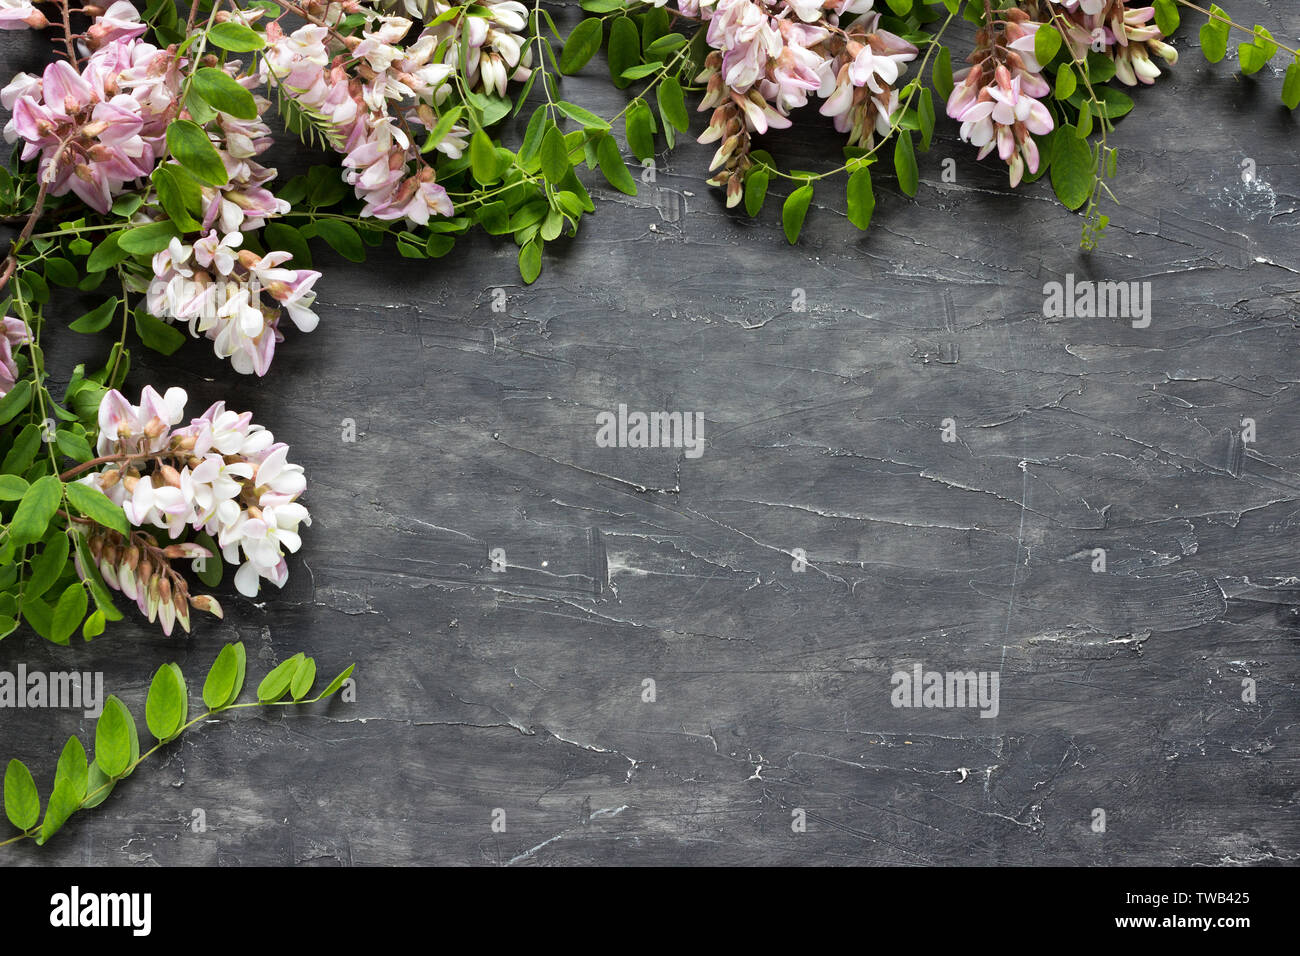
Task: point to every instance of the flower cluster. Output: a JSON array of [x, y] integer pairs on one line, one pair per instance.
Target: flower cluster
[[495, 51], [13, 334], [101, 129], [996, 98], [1130, 37], [368, 92], [768, 56], [97, 129], [217, 288], [220, 474]]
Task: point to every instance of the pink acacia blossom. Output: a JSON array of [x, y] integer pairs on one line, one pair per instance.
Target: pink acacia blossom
[[15, 334], [217, 289], [98, 129], [20, 14], [221, 474], [1001, 116]]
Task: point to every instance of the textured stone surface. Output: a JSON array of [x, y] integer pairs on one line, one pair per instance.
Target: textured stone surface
[[522, 690]]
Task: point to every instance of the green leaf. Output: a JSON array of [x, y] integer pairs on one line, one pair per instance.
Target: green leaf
[[22, 801], [1291, 86], [61, 272], [337, 682], [70, 779], [861, 198], [554, 156], [1047, 43], [925, 114], [98, 787], [96, 506], [941, 74], [641, 71], [1167, 18], [275, 684], [287, 239], [35, 510], [305, 676], [15, 400], [23, 452], [12, 488], [483, 159], [98, 589], [146, 240], [342, 238], [157, 334], [97, 318], [94, 625], [582, 44], [177, 194], [226, 677], [113, 738], [1066, 82], [672, 104], [167, 706], [1084, 125], [538, 124], [1256, 54], [223, 93], [530, 261], [624, 50], [640, 135], [901, 7], [613, 167], [235, 37], [794, 210], [664, 45], [1073, 169], [73, 445], [756, 181], [1214, 35], [48, 565], [211, 569], [1101, 67], [905, 163], [552, 225], [126, 205], [69, 612], [588, 119], [107, 254], [190, 146], [1115, 103]]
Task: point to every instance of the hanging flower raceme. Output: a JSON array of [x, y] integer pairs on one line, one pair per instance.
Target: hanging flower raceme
[[1129, 36], [369, 90], [218, 289], [768, 56], [495, 49], [101, 127], [221, 474], [996, 99]]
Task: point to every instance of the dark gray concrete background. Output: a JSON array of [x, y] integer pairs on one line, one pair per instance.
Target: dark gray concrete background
[[522, 690]]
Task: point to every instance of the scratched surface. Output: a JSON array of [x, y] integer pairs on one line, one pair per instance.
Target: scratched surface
[[522, 690]]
